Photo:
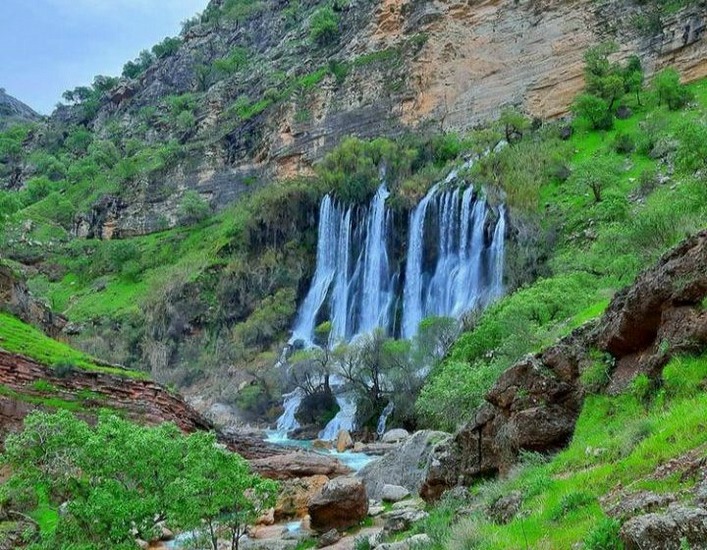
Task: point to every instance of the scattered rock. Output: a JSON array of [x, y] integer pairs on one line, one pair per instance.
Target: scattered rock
[[340, 504], [397, 521], [327, 539], [643, 502], [624, 112], [395, 436], [504, 509], [665, 531], [394, 493], [321, 444], [344, 441]]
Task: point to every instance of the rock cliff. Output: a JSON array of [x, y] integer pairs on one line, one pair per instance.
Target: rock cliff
[[534, 405], [397, 66]]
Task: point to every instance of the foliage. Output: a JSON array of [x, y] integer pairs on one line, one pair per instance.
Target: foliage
[[118, 487], [193, 208], [324, 27], [669, 90], [594, 109]]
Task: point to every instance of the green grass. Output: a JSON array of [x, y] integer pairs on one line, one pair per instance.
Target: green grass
[[618, 442], [21, 338]]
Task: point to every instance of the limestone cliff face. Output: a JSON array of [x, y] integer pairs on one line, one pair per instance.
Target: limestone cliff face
[[411, 65]]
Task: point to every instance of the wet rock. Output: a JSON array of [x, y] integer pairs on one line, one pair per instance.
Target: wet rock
[[327, 539], [299, 464], [340, 504], [406, 465], [344, 441], [395, 436], [504, 509], [394, 493], [665, 531]]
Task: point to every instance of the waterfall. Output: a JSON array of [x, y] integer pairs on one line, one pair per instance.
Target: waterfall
[[450, 227], [383, 419], [344, 420], [325, 271], [352, 275], [287, 421], [454, 263], [498, 249]]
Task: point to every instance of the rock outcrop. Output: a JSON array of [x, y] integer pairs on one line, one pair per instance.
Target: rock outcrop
[[534, 405], [342, 503], [406, 465]]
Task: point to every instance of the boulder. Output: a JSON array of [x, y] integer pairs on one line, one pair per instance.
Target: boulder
[[327, 539], [342, 503], [416, 541], [405, 465], [394, 493], [666, 530], [295, 495], [344, 441], [397, 521], [395, 436], [299, 464], [504, 509]]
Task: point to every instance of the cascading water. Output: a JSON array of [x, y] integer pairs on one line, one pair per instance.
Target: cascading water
[[383, 419], [454, 264], [359, 293], [344, 420], [287, 421], [450, 226]]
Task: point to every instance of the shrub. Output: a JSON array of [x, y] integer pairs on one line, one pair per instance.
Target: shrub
[[324, 27], [193, 208], [167, 47], [624, 144], [669, 90]]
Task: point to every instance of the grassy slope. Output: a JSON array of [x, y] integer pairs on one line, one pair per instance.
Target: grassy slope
[[21, 338], [618, 444]]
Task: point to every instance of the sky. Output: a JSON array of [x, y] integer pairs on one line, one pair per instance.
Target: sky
[[49, 46]]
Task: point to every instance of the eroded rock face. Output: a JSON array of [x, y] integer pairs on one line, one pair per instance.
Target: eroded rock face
[[340, 504], [534, 404]]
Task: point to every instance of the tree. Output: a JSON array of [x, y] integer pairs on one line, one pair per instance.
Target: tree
[[595, 110], [121, 481], [324, 27], [514, 124], [633, 77], [597, 174], [670, 91]]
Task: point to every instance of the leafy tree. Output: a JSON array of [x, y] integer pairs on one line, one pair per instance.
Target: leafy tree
[[135, 68], [324, 27], [633, 77], [597, 174], [595, 110], [514, 124], [120, 480], [670, 91], [167, 47]]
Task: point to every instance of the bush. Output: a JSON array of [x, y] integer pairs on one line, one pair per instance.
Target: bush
[[324, 27], [624, 144], [193, 208], [669, 90]]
